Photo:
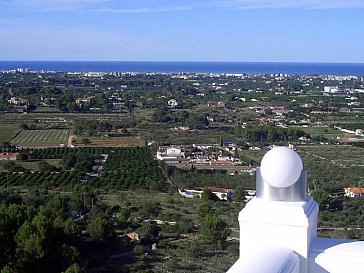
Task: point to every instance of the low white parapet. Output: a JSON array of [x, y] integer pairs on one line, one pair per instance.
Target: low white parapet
[[336, 255], [268, 260]]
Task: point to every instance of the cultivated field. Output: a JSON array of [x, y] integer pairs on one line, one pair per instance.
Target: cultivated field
[[341, 155], [41, 138], [7, 131], [115, 142], [325, 131]]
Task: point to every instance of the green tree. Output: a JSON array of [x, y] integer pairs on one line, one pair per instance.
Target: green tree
[[207, 195], [197, 121], [239, 194], [85, 141], [69, 160], [182, 116], [23, 157], [149, 231], [70, 229], [31, 241], [321, 197], [195, 250], [101, 229], [71, 106], [11, 218], [74, 268], [44, 166], [35, 240], [24, 126], [150, 209], [6, 269], [161, 115], [184, 226], [13, 167], [214, 231], [139, 250], [172, 264], [203, 209]]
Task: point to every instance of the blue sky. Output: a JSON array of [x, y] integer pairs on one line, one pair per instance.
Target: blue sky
[[190, 30]]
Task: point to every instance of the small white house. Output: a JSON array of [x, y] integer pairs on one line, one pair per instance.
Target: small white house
[[222, 194], [172, 103], [174, 151], [164, 153]]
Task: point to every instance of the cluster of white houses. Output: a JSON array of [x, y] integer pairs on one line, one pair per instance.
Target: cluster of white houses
[[278, 110], [341, 90], [198, 155], [18, 101], [221, 193], [203, 158], [227, 194]]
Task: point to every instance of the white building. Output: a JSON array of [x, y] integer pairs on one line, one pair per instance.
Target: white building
[[334, 90], [278, 228], [172, 103], [165, 153], [222, 194]]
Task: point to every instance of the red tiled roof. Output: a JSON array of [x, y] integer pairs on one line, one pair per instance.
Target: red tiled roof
[[220, 162], [8, 155], [355, 190]]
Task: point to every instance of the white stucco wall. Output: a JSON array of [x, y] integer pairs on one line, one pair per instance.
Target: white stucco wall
[[272, 224]]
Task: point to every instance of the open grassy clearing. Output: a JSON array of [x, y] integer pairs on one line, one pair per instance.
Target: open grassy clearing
[[325, 131], [173, 204], [8, 131], [176, 258], [333, 167], [176, 250], [344, 155], [254, 155], [144, 114], [32, 165], [164, 133], [338, 154], [329, 166], [168, 201]]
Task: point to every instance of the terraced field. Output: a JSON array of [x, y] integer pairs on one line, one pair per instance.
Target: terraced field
[[116, 142], [41, 138]]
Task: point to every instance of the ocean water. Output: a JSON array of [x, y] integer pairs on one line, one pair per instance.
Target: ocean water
[[342, 69]]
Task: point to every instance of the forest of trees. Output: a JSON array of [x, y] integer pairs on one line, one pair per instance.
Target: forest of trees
[[37, 239], [271, 134]]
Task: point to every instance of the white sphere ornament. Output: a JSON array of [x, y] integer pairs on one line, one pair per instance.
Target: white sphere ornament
[[281, 167]]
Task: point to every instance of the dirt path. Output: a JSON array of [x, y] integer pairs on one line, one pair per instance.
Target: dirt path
[[70, 137]]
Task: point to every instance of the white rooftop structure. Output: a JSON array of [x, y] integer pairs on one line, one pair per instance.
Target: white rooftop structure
[[278, 228], [281, 167]]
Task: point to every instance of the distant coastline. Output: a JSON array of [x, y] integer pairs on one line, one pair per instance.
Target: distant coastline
[[340, 69]]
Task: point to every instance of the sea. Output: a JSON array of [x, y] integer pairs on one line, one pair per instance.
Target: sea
[[292, 68]]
